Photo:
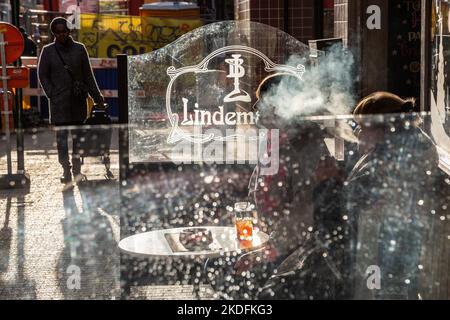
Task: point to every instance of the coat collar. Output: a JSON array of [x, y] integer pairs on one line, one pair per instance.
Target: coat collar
[[67, 46]]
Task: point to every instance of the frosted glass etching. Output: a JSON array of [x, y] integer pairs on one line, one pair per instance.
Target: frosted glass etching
[[199, 92]]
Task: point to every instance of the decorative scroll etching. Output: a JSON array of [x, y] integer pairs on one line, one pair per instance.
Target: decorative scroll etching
[[201, 90], [177, 133]]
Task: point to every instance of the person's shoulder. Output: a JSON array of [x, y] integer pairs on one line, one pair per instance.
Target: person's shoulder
[[46, 52], [47, 46], [80, 48], [79, 45]]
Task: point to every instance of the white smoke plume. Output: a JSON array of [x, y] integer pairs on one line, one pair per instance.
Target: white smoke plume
[[325, 89]]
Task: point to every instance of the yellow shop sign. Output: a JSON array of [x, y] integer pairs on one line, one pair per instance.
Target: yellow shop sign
[[105, 36]]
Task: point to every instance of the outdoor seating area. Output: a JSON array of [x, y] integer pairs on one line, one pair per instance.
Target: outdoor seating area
[[164, 151]]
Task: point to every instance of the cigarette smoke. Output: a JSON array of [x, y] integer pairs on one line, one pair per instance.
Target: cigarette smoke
[[325, 89]]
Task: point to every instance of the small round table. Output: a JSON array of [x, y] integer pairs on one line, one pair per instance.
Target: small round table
[[155, 244]]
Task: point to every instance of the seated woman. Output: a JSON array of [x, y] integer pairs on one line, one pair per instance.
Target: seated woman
[[391, 191], [298, 206]]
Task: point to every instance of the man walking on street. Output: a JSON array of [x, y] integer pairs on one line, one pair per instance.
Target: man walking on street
[[67, 78]]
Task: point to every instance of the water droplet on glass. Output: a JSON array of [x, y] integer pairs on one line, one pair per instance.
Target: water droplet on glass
[[209, 179]]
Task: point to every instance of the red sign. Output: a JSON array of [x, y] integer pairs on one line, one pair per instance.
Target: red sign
[[18, 77], [14, 42]]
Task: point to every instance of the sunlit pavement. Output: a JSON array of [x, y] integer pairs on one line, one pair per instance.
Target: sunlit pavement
[[181, 292], [57, 244]]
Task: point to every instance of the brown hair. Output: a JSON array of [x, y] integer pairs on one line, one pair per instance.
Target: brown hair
[[384, 102]]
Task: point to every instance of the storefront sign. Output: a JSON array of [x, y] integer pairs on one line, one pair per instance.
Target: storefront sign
[[404, 48], [105, 36]]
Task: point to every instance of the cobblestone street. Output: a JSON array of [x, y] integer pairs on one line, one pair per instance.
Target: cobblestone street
[[49, 235]]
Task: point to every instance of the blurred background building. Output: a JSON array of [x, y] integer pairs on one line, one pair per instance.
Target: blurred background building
[[386, 58]]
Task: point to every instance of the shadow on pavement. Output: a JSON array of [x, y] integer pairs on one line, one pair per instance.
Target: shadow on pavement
[[19, 286], [88, 263]]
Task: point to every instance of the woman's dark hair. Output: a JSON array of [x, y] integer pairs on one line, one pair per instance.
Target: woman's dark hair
[[59, 20]]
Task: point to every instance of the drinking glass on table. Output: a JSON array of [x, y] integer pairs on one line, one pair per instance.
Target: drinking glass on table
[[244, 215]]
